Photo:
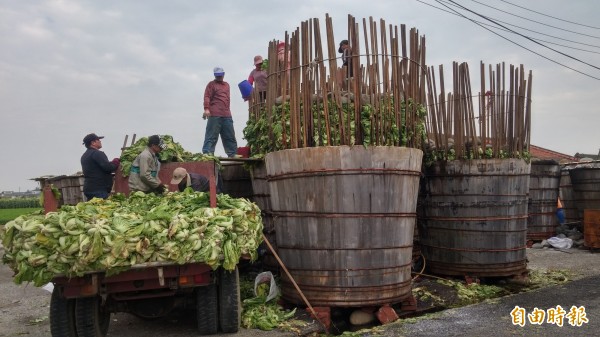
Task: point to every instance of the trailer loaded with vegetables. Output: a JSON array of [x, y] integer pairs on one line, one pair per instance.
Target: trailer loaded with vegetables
[[144, 254]]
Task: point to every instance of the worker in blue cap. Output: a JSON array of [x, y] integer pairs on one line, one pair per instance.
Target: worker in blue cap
[[217, 111]]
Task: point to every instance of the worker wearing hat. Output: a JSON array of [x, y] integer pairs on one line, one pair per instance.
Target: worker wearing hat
[[217, 111], [281, 56], [258, 77], [145, 167], [346, 72], [197, 182], [97, 170]]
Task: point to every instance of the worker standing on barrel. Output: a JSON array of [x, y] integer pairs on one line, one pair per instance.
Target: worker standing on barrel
[[144, 169], [97, 170], [217, 111], [258, 77]]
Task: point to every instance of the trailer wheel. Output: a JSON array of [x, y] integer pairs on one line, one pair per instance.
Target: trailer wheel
[[206, 309], [62, 316], [229, 300], [90, 318]]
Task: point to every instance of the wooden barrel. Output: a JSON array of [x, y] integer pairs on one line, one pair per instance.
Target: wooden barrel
[[475, 221], [262, 197], [544, 181], [344, 220], [236, 180], [591, 228], [586, 187], [567, 197]]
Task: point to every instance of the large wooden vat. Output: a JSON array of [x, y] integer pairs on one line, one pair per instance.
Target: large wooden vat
[[586, 188], [567, 197], [344, 220], [544, 183], [475, 221]]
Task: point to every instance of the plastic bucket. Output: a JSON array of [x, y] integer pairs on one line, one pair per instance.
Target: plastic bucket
[[245, 88], [244, 151]]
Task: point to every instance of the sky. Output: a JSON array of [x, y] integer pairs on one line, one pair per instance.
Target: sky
[[124, 67]]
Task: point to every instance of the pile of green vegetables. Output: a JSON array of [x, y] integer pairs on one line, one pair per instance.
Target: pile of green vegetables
[[114, 234], [261, 314], [377, 126], [172, 152]]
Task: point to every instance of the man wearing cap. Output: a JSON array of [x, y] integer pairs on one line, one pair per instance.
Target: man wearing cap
[[346, 52], [144, 169], [258, 77], [197, 182], [97, 170], [217, 111]]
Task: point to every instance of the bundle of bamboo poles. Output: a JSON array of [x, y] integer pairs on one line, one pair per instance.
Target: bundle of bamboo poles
[[311, 101], [502, 126]]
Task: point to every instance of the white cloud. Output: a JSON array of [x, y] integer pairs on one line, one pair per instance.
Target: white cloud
[[118, 67]]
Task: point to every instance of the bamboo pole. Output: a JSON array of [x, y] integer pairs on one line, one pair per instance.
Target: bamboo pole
[[304, 299]]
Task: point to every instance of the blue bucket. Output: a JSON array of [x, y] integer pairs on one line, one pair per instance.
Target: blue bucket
[[245, 88]]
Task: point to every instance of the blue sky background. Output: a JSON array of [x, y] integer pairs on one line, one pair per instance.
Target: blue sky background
[[68, 68]]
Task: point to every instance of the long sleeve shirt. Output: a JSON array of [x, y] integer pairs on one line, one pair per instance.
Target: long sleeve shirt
[[144, 172], [259, 79], [97, 171], [217, 99]]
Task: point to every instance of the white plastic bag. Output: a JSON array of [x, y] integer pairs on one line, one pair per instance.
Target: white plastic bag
[[267, 277], [560, 243], [49, 287]]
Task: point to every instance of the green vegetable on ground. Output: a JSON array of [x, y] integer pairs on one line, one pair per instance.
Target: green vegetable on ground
[[259, 314]]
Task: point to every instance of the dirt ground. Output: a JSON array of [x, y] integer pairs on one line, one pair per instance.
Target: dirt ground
[[24, 309]]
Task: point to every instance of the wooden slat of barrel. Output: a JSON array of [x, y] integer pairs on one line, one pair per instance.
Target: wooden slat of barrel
[[261, 196], [591, 228], [543, 194], [567, 197]]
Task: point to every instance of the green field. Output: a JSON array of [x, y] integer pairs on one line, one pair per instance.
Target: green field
[[8, 214]]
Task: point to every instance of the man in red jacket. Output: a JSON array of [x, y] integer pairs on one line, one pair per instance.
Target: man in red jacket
[[217, 111]]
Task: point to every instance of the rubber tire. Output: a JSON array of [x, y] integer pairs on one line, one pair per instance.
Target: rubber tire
[[90, 319], [230, 307], [62, 316], [206, 309]]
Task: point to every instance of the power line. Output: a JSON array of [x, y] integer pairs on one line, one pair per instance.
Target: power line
[[549, 42], [509, 40], [524, 36], [550, 16], [512, 25], [541, 23], [508, 31]]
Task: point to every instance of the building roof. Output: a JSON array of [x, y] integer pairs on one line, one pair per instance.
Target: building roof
[[542, 153], [591, 156]]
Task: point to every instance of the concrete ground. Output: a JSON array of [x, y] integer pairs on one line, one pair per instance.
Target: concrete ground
[[24, 309], [493, 317]]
